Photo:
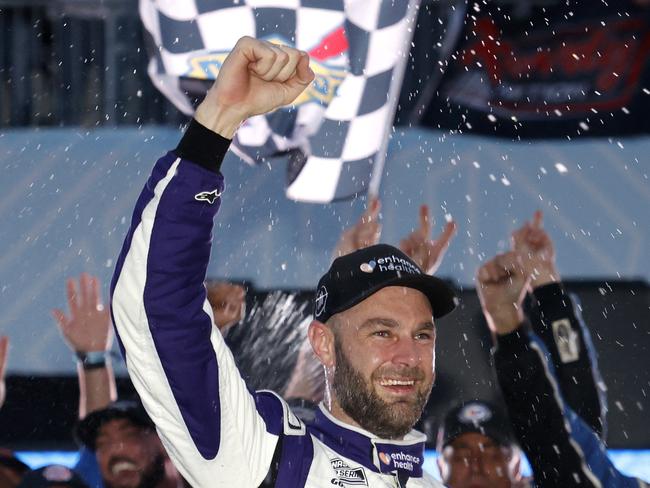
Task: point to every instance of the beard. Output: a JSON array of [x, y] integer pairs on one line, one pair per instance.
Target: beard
[[358, 398], [151, 476]]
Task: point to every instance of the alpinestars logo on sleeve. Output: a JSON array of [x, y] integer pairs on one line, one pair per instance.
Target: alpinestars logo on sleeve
[[208, 196]]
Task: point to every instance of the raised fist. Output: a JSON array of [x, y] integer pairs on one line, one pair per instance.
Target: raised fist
[[501, 284], [256, 77]]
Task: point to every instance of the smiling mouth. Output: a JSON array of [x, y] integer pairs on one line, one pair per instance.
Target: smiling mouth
[[391, 382], [123, 466]]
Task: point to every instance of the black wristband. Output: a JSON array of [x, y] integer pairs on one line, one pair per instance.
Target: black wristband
[[203, 147], [513, 341], [93, 359]]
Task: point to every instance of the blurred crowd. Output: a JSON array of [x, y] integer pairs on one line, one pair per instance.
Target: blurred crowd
[[544, 365]]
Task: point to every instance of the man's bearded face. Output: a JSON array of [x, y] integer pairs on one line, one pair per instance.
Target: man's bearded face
[[386, 418]]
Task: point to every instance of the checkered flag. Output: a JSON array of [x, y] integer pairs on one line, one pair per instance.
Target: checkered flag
[[336, 133]]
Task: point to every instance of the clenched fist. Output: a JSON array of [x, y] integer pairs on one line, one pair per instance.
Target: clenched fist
[[501, 284], [256, 77]]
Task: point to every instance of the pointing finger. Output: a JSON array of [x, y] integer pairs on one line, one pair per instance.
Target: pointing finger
[[73, 302], [372, 213], [537, 219], [425, 222], [84, 289], [447, 234], [60, 317], [95, 300]]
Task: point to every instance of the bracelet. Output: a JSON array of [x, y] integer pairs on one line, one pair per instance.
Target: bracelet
[[92, 359]]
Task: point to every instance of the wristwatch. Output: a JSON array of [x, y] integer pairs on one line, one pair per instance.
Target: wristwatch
[[92, 359]]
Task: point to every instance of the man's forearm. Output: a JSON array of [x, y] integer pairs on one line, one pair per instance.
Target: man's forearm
[[559, 324], [178, 363], [220, 120], [96, 388], [537, 413]]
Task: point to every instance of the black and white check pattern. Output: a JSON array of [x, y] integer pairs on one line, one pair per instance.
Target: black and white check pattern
[[335, 147]]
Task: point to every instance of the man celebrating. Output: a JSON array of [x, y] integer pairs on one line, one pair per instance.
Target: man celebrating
[[373, 329]]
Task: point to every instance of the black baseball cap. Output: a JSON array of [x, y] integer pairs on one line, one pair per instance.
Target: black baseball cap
[[52, 475], [354, 277], [475, 416], [87, 429]]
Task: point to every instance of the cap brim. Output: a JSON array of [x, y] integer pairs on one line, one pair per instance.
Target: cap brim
[[440, 295], [86, 430], [501, 437]]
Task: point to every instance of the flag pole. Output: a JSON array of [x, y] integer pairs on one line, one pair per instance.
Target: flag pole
[[393, 98]]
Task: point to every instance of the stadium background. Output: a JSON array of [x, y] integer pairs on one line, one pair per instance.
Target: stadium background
[[81, 124]]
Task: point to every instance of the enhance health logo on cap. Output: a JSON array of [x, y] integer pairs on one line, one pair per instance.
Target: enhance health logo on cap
[[356, 276]]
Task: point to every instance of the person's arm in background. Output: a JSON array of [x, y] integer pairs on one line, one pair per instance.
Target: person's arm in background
[[426, 252], [555, 317], [88, 333], [4, 356], [562, 449], [366, 232], [228, 302], [214, 429]]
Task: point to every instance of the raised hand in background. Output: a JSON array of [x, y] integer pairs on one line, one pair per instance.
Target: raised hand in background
[[4, 354], [366, 232], [88, 330], [228, 302], [537, 252], [501, 284], [88, 327], [426, 252]]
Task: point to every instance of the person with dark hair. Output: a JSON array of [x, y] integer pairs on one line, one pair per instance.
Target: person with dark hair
[[127, 448], [86, 329], [373, 326], [119, 446], [306, 386]]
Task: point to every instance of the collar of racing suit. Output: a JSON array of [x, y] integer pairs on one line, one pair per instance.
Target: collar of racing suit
[[402, 458]]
